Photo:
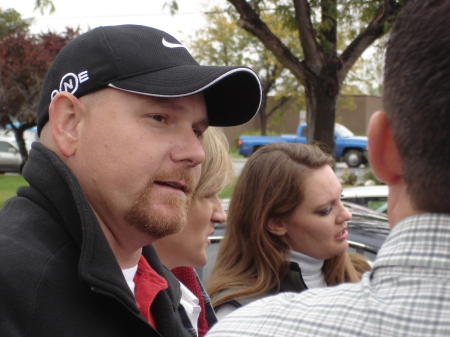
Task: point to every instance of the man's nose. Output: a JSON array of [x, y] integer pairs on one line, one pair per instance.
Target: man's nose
[[188, 149]]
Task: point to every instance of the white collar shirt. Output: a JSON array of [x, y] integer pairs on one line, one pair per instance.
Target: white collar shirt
[[191, 305]]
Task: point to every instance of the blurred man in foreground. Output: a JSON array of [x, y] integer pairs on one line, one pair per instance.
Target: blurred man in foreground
[[408, 291]]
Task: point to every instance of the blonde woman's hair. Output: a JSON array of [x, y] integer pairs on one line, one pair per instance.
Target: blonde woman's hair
[[271, 185], [217, 169]]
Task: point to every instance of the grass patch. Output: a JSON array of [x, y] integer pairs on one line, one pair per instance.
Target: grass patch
[[9, 185], [234, 153], [226, 193]]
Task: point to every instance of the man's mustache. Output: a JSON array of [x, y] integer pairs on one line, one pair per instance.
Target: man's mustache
[[179, 175]]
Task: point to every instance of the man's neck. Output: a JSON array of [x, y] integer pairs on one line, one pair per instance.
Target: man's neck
[[125, 244], [399, 204]]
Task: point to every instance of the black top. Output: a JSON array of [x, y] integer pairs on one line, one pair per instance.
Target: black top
[[292, 281], [58, 274]]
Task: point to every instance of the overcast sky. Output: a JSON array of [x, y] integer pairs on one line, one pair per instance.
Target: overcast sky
[[92, 13]]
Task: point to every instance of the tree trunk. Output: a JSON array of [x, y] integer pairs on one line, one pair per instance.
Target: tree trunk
[[321, 94], [18, 133], [321, 112], [263, 115], [322, 71]]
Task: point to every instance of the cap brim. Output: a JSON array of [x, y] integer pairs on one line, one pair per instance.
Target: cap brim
[[232, 94]]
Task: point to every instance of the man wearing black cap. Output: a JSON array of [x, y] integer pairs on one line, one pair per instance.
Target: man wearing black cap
[[121, 113]]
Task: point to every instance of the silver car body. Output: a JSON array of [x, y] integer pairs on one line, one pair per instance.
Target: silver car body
[[372, 197], [10, 158]]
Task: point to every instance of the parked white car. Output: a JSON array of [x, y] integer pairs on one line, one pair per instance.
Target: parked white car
[[373, 197], [10, 158]]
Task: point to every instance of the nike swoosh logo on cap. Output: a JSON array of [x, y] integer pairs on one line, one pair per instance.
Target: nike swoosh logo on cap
[[171, 45]]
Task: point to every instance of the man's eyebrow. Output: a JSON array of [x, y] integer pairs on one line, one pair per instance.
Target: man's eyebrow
[[204, 122], [168, 102], [162, 101]]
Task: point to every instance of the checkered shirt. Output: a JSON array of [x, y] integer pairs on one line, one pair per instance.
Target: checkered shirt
[[406, 294]]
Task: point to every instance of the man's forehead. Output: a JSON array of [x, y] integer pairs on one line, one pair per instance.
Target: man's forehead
[[176, 103]]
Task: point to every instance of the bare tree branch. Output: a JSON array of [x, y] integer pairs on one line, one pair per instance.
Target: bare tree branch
[[328, 28], [251, 22], [42, 5], [279, 103], [314, 58], [386, 14]]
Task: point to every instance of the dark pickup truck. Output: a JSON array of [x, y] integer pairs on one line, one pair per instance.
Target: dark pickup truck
[[348, 147]]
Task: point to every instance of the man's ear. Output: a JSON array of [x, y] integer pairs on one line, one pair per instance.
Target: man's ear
[[383, 152], [64, 116], [276, 226]]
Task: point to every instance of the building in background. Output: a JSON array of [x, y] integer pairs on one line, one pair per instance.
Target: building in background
[[353, 111]]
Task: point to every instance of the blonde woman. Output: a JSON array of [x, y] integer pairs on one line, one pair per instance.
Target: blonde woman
[[286, 229], [187, 249]]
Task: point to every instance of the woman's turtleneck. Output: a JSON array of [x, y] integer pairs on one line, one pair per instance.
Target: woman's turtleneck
[[311, 269]]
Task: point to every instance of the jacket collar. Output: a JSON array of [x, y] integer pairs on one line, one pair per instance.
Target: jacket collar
[[61, 194]]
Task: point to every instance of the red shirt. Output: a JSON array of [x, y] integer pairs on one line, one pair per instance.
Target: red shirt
[[148, 284]]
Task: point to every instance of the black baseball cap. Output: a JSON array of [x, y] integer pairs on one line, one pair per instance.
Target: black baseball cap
[[148, 61]]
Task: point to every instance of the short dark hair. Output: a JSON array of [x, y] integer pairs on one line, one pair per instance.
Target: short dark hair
[[417, 100]]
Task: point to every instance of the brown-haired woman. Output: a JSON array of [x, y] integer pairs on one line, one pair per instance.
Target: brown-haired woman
[[286, 229]]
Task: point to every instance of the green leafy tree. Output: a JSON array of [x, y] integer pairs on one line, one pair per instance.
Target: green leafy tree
[[11, 22], [366, 76], [223, 43], [42, 5], [326, 55]]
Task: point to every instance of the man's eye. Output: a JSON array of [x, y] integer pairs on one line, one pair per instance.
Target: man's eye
[[198, 133], [159, 118]]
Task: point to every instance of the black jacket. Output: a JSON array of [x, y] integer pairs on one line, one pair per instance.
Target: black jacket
[[58, 274], [292, 281]]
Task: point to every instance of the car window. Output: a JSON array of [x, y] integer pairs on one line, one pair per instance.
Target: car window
[[5, 147], [369, 202], [342, 131], [304, 130]]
